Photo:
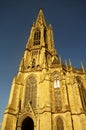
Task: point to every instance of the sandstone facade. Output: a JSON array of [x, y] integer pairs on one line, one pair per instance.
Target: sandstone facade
[[45, 94]]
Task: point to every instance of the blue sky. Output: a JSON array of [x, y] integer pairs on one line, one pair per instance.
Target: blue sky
[[68, 18]]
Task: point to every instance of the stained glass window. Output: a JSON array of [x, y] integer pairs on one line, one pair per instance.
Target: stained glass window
[[57, 93], [31, 91]]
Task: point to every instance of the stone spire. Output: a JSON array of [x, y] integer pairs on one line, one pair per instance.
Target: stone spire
[[40, 18]]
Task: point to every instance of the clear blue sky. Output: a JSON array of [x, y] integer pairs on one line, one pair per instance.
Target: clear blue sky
[[68, 18]]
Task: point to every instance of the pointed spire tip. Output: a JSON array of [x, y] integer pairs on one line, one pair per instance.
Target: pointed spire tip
[[40, 19]]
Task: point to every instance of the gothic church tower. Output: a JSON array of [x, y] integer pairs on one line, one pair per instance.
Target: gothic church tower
[[45, 94]]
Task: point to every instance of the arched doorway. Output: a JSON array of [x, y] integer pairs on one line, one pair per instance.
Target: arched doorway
[[27, 124]]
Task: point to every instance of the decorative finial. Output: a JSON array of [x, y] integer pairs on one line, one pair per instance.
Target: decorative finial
[[82, 66], [50, 26], [70, 62], [60, 59], [66, 64], [33, 24]]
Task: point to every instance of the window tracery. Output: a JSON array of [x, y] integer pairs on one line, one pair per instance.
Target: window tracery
[[37, 35], [31, 91], [56, 81], [57, 93]]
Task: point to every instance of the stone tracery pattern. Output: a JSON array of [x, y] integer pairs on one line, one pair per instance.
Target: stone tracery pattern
[[31, 91]]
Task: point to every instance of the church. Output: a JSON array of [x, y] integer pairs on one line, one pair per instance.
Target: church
[[45, 94]]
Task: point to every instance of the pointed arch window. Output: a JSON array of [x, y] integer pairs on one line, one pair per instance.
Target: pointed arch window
[[31, 91], [82, 92], [56, 81], [37, 35], [57, 93], [59, 123]]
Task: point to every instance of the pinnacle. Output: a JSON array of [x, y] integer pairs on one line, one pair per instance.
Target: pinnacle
[[41, 11]]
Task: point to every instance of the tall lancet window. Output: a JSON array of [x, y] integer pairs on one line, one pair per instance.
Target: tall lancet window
[[31, 91], [45, 37], [57, 93], [56, 81], [37, 35], [82, 92], [59, 124]]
